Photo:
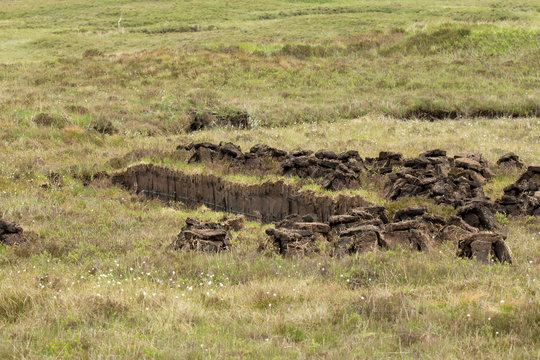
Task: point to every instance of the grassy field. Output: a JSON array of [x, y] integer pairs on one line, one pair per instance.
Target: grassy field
[[100, 283]]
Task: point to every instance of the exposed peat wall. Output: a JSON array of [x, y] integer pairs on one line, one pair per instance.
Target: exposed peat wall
[[269, 201]]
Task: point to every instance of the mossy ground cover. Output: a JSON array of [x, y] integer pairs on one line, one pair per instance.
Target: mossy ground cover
[[101, 283]]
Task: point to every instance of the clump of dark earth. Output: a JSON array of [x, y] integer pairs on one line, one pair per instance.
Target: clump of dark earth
[[203, 236], [368, 229], [485, 247], [11, 233], [334, 171], [297, 235], [359, 231], [479, 213], [522, 197], [199, 120], [210, 153], [434, 175], [510, 161], [385, 162]]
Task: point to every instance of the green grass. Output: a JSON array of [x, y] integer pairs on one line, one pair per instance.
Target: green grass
[[414, 59], [100, 282]]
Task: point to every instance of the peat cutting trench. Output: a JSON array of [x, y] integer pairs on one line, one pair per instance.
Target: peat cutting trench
[[269, 201], [349, 223]]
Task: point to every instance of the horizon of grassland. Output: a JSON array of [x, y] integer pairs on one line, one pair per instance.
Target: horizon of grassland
[[284, 62], [100, 281]]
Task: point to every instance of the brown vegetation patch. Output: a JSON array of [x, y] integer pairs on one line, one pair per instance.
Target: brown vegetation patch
[[44, 119], [92, 53]]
